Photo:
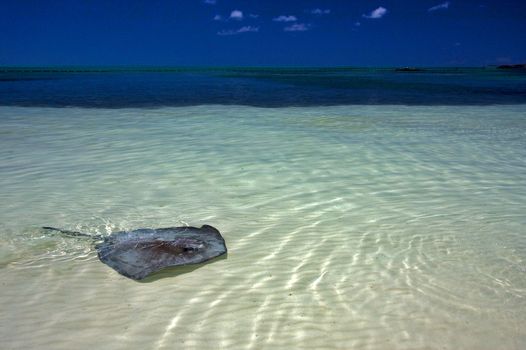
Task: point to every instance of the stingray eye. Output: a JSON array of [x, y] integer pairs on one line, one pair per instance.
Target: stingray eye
[[190, 249]]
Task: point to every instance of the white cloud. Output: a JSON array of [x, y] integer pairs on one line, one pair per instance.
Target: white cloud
[[246, 29], [236, 14], [357, 24], [320, 12], [443, 6], [210, 2], [225, 32], [297, 27], [378, 13], [285, 19]]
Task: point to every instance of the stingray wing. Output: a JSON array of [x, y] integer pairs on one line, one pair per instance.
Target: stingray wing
[[139, 253]]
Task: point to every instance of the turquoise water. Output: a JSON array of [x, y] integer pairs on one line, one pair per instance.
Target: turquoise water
[[348, 227], [125, 87]]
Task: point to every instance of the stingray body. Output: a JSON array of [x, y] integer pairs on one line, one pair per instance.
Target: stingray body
[[139, 253]]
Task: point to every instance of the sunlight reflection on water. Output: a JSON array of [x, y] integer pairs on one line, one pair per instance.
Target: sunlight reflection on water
[[347, 227]]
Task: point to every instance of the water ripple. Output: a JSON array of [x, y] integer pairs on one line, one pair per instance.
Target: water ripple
[[347, 227]]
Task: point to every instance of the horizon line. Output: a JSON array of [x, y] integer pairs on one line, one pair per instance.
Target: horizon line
[[102, 68]]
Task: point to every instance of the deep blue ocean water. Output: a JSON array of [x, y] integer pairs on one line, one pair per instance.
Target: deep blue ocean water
[[263, 87]]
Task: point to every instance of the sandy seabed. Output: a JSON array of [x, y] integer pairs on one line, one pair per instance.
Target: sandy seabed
[[348, 227]]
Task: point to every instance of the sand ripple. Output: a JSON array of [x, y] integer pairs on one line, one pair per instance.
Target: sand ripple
[[347, 227]]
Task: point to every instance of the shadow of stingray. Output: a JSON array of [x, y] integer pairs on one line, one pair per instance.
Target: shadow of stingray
[[179, 270]]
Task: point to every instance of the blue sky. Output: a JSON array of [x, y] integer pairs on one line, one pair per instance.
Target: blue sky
[[263, 33]]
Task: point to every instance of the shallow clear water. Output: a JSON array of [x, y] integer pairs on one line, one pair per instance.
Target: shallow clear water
[[363, 227]]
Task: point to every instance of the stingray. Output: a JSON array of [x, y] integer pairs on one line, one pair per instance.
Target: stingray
[[137, 254]]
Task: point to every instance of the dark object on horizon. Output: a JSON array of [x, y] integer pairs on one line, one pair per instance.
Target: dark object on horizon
[[512, 66], [139, 253], [409, 69]]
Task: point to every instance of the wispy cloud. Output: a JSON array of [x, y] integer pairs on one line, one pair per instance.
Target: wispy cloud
[[210, 2], [375, 14], [236, 14], [226, 32], [320, 11], [218, 18], [285, 19], [253, 15], [443, 6], [357, 24], [246, 29], [297, 27]]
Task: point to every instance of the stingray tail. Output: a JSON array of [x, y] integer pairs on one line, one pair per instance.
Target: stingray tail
[[72, 233]]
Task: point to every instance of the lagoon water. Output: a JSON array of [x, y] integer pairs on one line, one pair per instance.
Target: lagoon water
[[349, 226]]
